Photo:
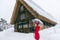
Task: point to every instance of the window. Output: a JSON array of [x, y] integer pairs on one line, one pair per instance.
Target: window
[[20, 26], [22, 16], [22, 8], [25, 25]]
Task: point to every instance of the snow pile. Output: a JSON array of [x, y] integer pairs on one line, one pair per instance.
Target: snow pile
[[52, 33], [9, 34]]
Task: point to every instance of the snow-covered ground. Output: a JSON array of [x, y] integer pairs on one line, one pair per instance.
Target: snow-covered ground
[[52, 33], [9, 34]]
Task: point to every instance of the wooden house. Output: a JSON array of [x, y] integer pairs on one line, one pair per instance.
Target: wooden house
[[24, 13]]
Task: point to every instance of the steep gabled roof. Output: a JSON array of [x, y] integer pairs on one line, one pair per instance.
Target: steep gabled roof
[[39, 10], [34, 10]]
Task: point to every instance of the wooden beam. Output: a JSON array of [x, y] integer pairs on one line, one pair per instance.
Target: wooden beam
[[15, 12]]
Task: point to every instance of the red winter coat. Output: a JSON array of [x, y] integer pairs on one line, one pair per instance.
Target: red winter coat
[[36, 32]]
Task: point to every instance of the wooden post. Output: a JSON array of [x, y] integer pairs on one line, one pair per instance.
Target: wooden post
[[16, 27]]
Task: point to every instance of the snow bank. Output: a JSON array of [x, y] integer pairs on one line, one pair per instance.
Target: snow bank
[[52, 33], [9, 34]]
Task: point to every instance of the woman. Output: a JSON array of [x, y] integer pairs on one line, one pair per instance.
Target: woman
[[38, 26], [36, 32]]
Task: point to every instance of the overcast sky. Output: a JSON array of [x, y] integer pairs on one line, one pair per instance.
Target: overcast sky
[[50, 6], [6, 9]]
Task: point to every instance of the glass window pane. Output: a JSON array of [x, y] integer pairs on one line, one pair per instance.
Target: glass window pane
[[22, 8], [22, 16], [25, 26], [20, 26]]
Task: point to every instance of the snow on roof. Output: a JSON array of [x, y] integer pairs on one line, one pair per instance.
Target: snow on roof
[[39, 10]]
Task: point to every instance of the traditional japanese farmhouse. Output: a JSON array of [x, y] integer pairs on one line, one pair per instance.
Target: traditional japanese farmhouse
[[25, 11]]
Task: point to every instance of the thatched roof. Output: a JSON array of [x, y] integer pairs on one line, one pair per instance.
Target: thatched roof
[[31, 10]]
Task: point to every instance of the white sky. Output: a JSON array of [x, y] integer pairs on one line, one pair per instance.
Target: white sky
[[6, 9], [50, 6]]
